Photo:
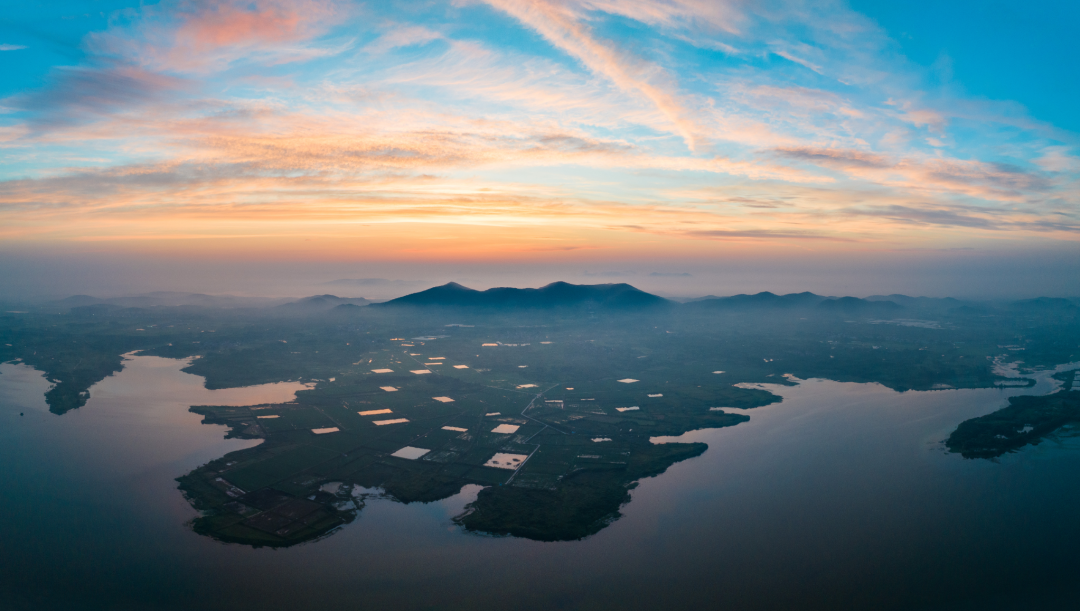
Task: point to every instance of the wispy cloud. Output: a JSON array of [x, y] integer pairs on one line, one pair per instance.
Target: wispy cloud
[[713, 14], [404, 36], [200, 37], [794, 124], [566, 31], [980, 179]]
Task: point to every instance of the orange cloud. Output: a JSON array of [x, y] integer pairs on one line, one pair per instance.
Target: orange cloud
[[225, 25], [200, 36], [464, 150]]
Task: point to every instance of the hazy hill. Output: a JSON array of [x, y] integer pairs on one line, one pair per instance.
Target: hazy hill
[[320, 303], [379, 288], [771, 301], [554, 295], [763, 300]]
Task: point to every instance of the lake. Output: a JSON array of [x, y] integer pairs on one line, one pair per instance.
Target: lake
[[841, 496]]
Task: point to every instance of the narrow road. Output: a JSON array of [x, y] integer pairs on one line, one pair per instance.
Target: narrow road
[[545, 426]]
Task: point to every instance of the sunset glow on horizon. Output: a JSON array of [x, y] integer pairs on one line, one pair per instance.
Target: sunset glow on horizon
[[548, 132]]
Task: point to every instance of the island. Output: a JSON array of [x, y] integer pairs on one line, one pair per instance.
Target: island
[[557, 429], [555, 401], [1027, 420]]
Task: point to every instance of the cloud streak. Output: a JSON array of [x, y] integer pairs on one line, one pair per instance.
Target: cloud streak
[[561, 28], [792, 126], [201, 37]]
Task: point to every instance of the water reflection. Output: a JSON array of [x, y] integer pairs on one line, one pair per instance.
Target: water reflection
[[135, 420], [841, 496]]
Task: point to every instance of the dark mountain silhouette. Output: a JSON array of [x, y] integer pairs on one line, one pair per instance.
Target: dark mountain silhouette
[[554, 295]]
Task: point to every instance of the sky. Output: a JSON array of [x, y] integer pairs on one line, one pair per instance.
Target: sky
[[685, 146]]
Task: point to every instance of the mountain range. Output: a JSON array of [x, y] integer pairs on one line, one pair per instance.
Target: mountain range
[[565, 295], [554, 295], [771, 301], [321, 303]]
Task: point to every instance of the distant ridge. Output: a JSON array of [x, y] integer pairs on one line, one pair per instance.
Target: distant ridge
[[318, 303], [904, 300], [554, 295], [771, 301], [763, 300]]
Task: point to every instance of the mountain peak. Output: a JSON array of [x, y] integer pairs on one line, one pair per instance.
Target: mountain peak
[[553, 295]]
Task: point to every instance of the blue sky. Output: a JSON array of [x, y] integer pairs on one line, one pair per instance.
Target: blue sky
[[1019, 51], [565, 134]]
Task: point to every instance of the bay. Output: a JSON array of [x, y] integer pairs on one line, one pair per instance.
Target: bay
[[841, 496]]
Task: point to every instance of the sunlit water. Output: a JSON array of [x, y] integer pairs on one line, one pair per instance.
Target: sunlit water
[[839, 497]]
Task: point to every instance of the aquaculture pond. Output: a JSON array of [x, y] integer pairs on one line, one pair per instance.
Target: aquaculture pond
[[840, 496]]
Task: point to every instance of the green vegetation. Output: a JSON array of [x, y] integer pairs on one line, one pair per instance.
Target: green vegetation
[[1026, 421], [553, 374], [583, 502], [579, 453]]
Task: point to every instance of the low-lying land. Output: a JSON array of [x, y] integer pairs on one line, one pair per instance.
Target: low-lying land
[[548, 405], [1027, 420], [571, 454]]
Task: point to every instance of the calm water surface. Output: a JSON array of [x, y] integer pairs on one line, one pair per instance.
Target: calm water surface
[[839, 497]]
